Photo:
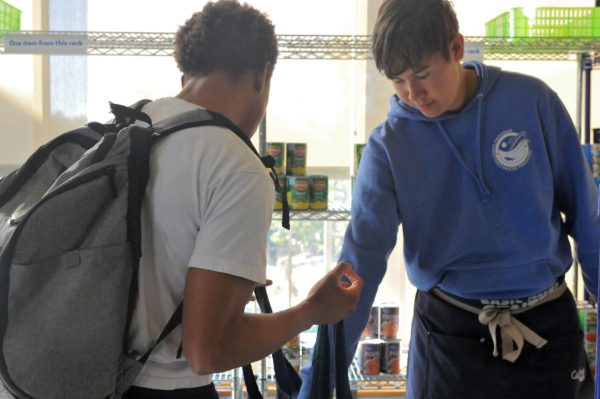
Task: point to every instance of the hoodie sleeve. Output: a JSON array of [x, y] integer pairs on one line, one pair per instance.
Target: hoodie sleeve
[[575, 191], [369, 240], [372, 232]]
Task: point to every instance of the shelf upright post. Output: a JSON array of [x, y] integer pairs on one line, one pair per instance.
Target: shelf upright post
[[262, 137], [579, 97], [587, 71], [236, 385]]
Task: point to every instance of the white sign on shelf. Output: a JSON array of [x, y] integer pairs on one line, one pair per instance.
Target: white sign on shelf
[[473, 51], [45, 44]]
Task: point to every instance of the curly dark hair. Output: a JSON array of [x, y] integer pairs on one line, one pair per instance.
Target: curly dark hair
[[225, 36], [407, 31]]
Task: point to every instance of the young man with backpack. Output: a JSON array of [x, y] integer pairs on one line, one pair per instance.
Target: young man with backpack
[[484, 170], [129, 249], [206, 213]]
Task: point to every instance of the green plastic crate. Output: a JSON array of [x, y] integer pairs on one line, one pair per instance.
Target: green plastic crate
[[10, 17], [546, 22], [511, 23]]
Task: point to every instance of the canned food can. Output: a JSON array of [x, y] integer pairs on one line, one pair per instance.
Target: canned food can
[[358, 152], [276, 150], [295, 159], [292, 352], [372, 328], [369, 357], [390, 356], [588, 320], [318, 191], [298, 195], [388, 321], [278, 196]]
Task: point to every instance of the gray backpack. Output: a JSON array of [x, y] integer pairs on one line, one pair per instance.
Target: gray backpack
[[69, 253]]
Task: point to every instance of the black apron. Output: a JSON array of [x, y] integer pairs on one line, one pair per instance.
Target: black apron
[[451, 355]]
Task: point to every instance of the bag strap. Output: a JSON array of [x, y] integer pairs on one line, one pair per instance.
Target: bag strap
[[287, 380], [173, 322], [321, 388], [125, 116]]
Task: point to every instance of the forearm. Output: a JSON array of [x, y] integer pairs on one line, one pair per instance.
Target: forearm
[[254, 336], [218, 335]]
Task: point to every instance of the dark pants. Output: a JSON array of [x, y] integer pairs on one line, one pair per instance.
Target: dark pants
[[451, 355], [205, 392]]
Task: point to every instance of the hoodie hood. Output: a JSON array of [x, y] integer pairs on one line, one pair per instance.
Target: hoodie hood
[[487, 76]]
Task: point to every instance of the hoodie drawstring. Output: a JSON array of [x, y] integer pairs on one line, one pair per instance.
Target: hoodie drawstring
[[479, 178]]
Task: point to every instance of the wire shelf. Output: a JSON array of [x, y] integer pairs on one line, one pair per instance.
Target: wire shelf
[[322, 47], [330, 214]]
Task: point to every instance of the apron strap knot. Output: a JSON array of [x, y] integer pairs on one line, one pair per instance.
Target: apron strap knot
[[512, 332]]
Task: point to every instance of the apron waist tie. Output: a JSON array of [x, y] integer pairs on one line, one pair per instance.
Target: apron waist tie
[[512, 331]]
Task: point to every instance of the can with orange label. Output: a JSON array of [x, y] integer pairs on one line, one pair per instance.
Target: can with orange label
[[390, 356], [369, 356], [372, 328], [292, 352], [388, 321]]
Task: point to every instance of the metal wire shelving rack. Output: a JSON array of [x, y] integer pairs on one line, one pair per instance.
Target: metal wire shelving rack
[[320, 47], [330, 214]]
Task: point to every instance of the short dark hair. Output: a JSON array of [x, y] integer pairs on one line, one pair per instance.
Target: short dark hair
[[406, 31], [225, 36]]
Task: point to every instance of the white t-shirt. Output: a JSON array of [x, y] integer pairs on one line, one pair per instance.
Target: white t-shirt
[[208, 204]]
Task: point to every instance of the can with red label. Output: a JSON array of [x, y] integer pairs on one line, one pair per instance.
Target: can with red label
[[298, 194], [318, 191], [276, 150], [388, 321], [390, 356], [369, 356]]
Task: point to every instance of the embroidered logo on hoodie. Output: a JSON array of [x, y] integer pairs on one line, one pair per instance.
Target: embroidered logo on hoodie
[[511, 150]]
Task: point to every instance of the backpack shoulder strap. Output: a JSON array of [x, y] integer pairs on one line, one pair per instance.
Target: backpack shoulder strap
[[203, 117]]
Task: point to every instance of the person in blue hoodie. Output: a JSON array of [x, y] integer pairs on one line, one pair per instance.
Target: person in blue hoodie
[[484, 171]]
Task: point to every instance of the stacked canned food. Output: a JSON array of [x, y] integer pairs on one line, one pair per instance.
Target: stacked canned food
[[303, 192], [588, 321], [379, 348]]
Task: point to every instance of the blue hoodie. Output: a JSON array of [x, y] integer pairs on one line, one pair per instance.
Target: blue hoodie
[[479, 195]]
